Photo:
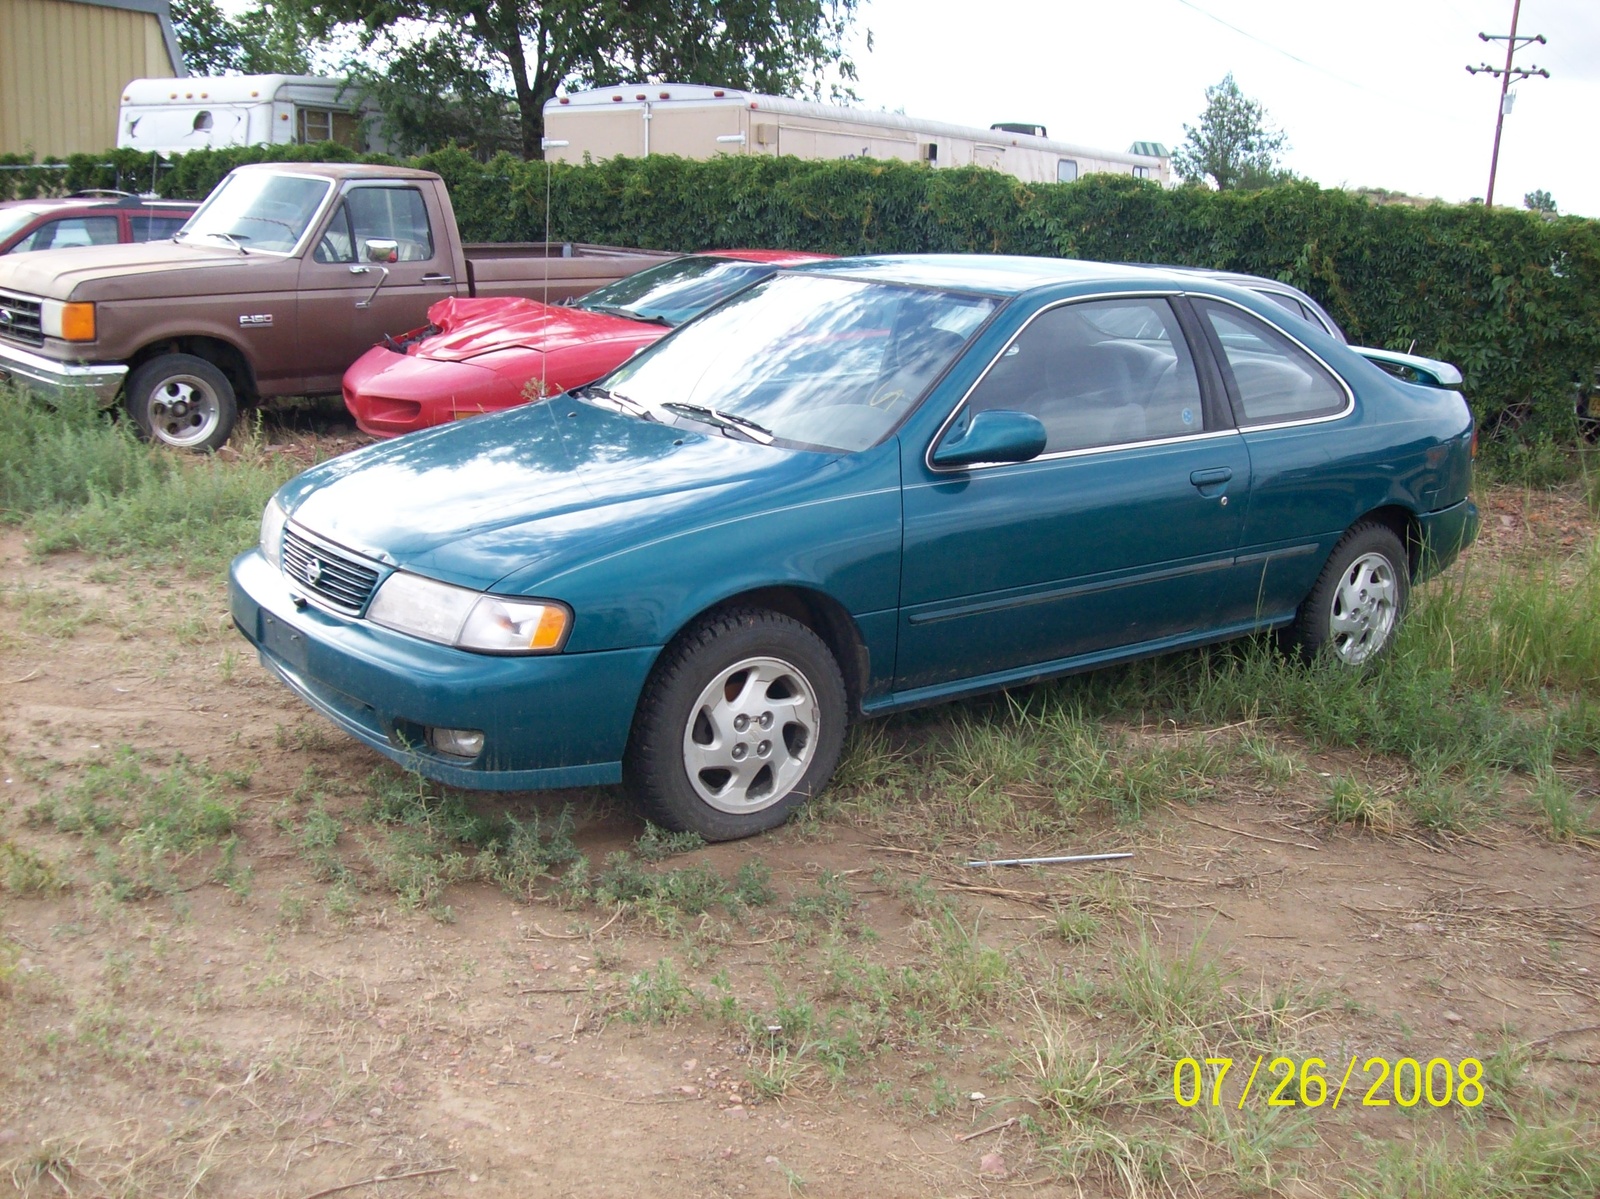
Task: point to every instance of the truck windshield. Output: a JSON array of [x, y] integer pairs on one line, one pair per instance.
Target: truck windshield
[[805, 361], [675, 291], [258, 210]]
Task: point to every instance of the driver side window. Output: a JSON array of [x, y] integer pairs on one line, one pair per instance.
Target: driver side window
[[397, 214], [1099, 373]]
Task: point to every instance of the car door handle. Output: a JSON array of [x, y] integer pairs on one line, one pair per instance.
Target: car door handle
[[1211, 477], [438, 279]]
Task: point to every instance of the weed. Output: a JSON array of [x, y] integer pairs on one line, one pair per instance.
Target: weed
[[156, 820], [24, 872], [85, 482], [1558, 1158], [659, 996], [752, 885], [656, 844], [1074, 923], [829, 903], [1351, 801]]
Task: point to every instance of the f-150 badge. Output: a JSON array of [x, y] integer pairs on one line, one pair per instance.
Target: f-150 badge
[[260, 318]]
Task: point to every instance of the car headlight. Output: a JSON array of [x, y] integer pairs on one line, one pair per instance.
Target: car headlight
[[273, 518], [468, 619]]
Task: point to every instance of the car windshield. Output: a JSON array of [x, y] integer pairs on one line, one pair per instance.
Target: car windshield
[[675, 291], [12, 219], [257, 210], [810, 361]]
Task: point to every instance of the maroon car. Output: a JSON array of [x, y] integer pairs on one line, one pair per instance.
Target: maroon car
[[479, 356], [89, 219]]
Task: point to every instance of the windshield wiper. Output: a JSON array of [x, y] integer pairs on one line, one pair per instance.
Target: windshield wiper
[[624, 403], [229, 238], [724, 420]]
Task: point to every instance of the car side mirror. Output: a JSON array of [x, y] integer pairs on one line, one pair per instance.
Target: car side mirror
[[994, 436], [382, 249]]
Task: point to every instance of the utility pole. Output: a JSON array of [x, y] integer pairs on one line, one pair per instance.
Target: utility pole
[[1505, 75]]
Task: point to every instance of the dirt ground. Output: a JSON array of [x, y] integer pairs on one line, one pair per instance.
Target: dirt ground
[[242, 1034]]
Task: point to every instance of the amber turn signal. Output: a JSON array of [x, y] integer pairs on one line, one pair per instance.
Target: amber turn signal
[[77, 322]]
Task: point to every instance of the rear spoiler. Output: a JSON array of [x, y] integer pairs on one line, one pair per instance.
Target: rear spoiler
[[1430, 372]]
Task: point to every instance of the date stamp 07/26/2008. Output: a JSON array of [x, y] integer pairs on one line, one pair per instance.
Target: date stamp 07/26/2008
[[1310, 1083]]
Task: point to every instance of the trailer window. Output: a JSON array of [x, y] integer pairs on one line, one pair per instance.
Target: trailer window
[[1141, 172], [316, 125], [1066, 170]]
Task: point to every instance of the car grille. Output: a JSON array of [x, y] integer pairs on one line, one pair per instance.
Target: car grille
[[339, 580], [19, 319]]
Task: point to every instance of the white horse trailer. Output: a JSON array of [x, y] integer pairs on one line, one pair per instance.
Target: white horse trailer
[[172, 116], [698, 121]]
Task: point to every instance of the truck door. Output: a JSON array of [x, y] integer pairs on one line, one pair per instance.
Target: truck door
[[348, 298]]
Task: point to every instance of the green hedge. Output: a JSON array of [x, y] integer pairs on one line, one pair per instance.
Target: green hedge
[[1510, 297]]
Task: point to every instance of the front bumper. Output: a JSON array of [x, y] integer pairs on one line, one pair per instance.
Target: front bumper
[[1445, 534], [559, 720], [390, 394], [54, 379]]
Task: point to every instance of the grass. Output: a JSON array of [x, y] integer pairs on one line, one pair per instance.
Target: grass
[[78, 479], [142, 823]]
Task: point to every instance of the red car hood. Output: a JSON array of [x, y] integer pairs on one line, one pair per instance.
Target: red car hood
[[472, 327]]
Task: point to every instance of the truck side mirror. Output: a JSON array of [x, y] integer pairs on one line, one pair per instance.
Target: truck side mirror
[[382, 249]]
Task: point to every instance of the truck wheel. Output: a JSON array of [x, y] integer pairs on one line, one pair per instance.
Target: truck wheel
[[182, 401]]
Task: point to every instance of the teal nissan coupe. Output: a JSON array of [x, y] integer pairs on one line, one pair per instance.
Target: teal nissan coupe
[[856, 487]]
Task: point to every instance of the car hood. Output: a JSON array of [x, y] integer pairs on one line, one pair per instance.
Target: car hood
[[536, 490], [135, 271], [472, 327]]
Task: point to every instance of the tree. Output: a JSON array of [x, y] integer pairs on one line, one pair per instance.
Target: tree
[[1541, 202], [444, 68], [267, 39], [1235, 146]]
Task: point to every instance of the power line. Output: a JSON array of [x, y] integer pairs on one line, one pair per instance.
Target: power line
[[1452, 117], [1245, 33]]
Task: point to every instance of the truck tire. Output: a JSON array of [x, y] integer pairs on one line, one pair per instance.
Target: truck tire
[[182, 401]]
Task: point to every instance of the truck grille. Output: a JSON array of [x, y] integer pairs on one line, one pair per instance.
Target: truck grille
[[339, 580], [19, 319]]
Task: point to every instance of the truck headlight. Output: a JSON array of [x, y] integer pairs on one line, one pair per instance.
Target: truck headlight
[[69, 322], [273, 518], [467, 619]]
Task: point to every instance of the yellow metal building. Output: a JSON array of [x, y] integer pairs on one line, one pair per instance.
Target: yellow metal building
[[63, 64]]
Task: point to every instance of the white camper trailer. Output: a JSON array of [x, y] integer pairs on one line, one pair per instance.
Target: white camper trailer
[[698, 121], [173, 116]]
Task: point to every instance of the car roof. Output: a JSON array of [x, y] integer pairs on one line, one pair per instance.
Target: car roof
[[75, 203], [993, 274], [774, 257]]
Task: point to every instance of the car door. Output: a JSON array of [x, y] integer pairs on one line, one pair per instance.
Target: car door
[[1121, 533], [347, 301], [1287, 404]]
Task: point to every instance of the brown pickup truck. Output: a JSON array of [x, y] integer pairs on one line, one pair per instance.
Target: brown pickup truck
[[285, 275]]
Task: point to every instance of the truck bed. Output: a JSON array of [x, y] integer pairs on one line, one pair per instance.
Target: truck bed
[[568, 269]]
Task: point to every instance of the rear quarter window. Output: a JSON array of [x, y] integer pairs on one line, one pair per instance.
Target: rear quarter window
[[1271, 378]]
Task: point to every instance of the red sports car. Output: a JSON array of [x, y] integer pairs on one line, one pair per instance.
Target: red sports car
[[484, 355]]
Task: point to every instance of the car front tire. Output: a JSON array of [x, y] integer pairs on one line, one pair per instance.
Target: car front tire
[[741, 722], [182, 401], [1353, 613]]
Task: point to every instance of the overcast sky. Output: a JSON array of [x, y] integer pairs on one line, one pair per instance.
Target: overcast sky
[[1371, 92]]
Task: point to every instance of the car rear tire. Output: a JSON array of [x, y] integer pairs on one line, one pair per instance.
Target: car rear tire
[[182, 401], [741, 722], [1354, 611]]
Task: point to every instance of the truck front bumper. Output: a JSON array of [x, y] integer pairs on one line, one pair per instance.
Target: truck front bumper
[[54, 379]]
